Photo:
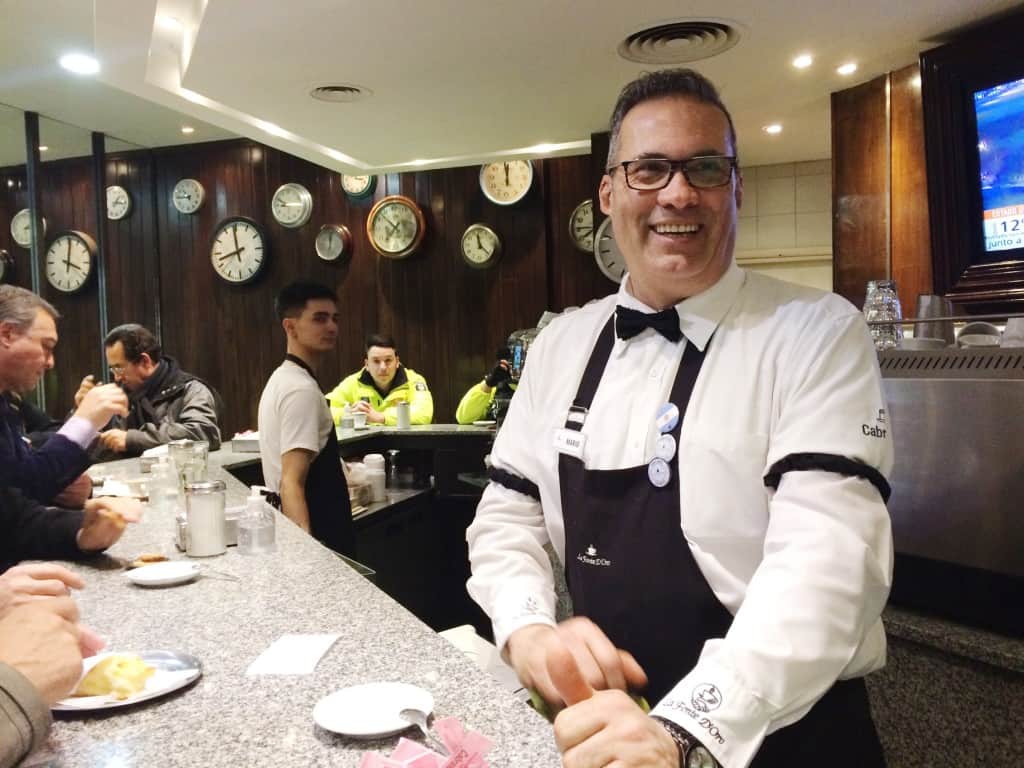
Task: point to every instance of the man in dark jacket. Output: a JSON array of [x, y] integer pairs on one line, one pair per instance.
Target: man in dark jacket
[[165, 403]]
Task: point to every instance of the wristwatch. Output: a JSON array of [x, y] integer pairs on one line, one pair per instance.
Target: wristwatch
[[692, 754]]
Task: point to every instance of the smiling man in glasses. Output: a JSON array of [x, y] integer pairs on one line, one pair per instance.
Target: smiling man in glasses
[[694, 448]]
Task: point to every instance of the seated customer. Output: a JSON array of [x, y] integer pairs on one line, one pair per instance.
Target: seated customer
[[164, 402], [489, 399], [381, 385]]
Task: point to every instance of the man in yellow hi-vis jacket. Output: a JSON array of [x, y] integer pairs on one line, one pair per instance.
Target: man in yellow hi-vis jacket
[[382, 383]]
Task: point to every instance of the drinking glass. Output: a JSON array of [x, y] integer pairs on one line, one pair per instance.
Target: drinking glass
[[882, 304]]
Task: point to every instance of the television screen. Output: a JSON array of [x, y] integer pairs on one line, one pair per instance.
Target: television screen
[[1000, 118]]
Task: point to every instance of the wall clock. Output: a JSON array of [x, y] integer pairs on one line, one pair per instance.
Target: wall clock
[[188, 196], [358, 187], [291, 205], [21, 228], [69, 260], [581, 226], [481, 246], [6, 262], [239, 250], [119, 202], [607, 254], [333, 242], [506, 182], [395, 226]]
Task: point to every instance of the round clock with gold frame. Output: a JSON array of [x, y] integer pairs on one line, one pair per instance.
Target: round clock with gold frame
[[358, 187], [506, 182], [395, 226]]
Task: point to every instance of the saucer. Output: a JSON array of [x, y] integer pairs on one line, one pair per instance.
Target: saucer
[[371, 711], [163, 574]]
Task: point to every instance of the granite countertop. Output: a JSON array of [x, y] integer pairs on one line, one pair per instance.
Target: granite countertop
[[229, 719]]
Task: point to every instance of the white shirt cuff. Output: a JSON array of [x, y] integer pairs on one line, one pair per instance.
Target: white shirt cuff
[[80, 431], [515, 609]]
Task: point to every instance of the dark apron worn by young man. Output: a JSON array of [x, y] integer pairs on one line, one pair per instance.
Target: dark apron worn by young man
[[631, 571], [330, 511]]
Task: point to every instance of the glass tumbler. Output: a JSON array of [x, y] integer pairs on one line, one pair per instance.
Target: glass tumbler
[[882, 304]]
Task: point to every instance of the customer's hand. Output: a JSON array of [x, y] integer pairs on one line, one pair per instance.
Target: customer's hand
[[83, 389], [29, 582], [100, 404], [499, 373], [76, 493], [602, 665], [115, 440], [105, 520], [41, 641], [372, 415]]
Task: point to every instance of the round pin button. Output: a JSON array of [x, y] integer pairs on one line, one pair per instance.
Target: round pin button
[[665, 447], [667, 418], [659, 473]]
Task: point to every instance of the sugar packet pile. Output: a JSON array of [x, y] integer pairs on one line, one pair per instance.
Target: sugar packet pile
[[466, 749]]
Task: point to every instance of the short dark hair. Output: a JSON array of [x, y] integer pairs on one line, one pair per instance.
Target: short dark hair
[[379, 340], [137, 340], [292, 299], [661, 84]]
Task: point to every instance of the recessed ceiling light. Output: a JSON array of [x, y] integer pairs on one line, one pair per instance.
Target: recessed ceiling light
[[79, 63], [847, 69], [772, 128], [168, 22], [187, 129], [43, 147], [803, 61]]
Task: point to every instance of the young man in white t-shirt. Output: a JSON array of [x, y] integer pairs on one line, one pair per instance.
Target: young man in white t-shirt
[[298, 446]]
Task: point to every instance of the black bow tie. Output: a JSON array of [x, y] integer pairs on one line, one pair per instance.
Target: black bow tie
[[630, 322]]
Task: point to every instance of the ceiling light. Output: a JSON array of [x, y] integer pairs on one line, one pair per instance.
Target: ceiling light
[[187, 129], [80, 64], [543, 148], [10, 182], [168, 22], [772, 128], [847, 69], [43, 147], [803, 61]]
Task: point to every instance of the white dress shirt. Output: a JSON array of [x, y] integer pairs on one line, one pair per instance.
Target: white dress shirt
[[804, 569]]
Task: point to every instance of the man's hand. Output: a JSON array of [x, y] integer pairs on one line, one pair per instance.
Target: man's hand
[[104, 521], [602, 665], [76, 493], [604, 727], [114, 440], [29, 582], [100, 404], [372, 416], [83, 389], [41, 641], [500, 372]]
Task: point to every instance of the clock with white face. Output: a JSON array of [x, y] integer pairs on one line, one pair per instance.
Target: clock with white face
[[481, 246], [188, 196], [21, 228], [581, 226], [291, 205], [395, 226], [607, 254], [333, 242], [358, 187], [506, 182], [69, 261], [119, 202], [239, 250]]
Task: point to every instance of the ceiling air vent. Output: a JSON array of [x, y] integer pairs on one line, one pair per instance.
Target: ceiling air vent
[[678, 42], [340, 93]]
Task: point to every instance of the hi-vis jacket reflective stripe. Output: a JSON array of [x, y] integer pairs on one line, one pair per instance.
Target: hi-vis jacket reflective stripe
[[407, 387]]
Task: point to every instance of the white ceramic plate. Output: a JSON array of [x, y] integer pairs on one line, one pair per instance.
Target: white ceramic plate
[[174, 670], [163, 574], [371, 710], [484, 423]]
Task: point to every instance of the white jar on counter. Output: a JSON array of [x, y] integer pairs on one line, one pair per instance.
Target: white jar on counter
[[204, 509]]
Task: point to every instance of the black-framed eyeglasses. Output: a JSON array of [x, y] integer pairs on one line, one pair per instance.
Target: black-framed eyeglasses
[[701, 172]]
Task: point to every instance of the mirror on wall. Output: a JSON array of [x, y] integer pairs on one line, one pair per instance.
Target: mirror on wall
[[13, 198]]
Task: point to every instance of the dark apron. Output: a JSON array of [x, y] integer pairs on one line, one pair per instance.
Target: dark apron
[[330, 511], [631, 571]]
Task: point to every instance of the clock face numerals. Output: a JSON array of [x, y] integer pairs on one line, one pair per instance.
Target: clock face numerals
[[69, 261], [238, 253], [506, 182], [291, 205], [395, 226], [333, 241], [21, 228], [606, 253], [358, 187], [119, 202], [481, 246], [581, 226], [188, 196]]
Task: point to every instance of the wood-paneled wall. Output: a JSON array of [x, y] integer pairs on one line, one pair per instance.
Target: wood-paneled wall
[[448, 319]]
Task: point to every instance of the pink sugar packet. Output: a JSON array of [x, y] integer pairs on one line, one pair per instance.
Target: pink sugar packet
[[408, 754], [466, 749]]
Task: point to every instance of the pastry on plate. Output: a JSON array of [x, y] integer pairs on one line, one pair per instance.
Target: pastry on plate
[[119, 675]]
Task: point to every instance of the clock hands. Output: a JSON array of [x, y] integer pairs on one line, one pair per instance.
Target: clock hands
[[67, 259], [506, 174]]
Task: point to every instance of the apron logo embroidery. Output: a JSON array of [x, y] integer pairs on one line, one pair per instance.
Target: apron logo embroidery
[[591, 558], [706, 698]]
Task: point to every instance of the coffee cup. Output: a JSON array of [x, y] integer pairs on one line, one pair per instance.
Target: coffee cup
[[359, 420]]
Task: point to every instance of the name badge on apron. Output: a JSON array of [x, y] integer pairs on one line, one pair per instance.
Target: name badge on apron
[[570, 442]]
